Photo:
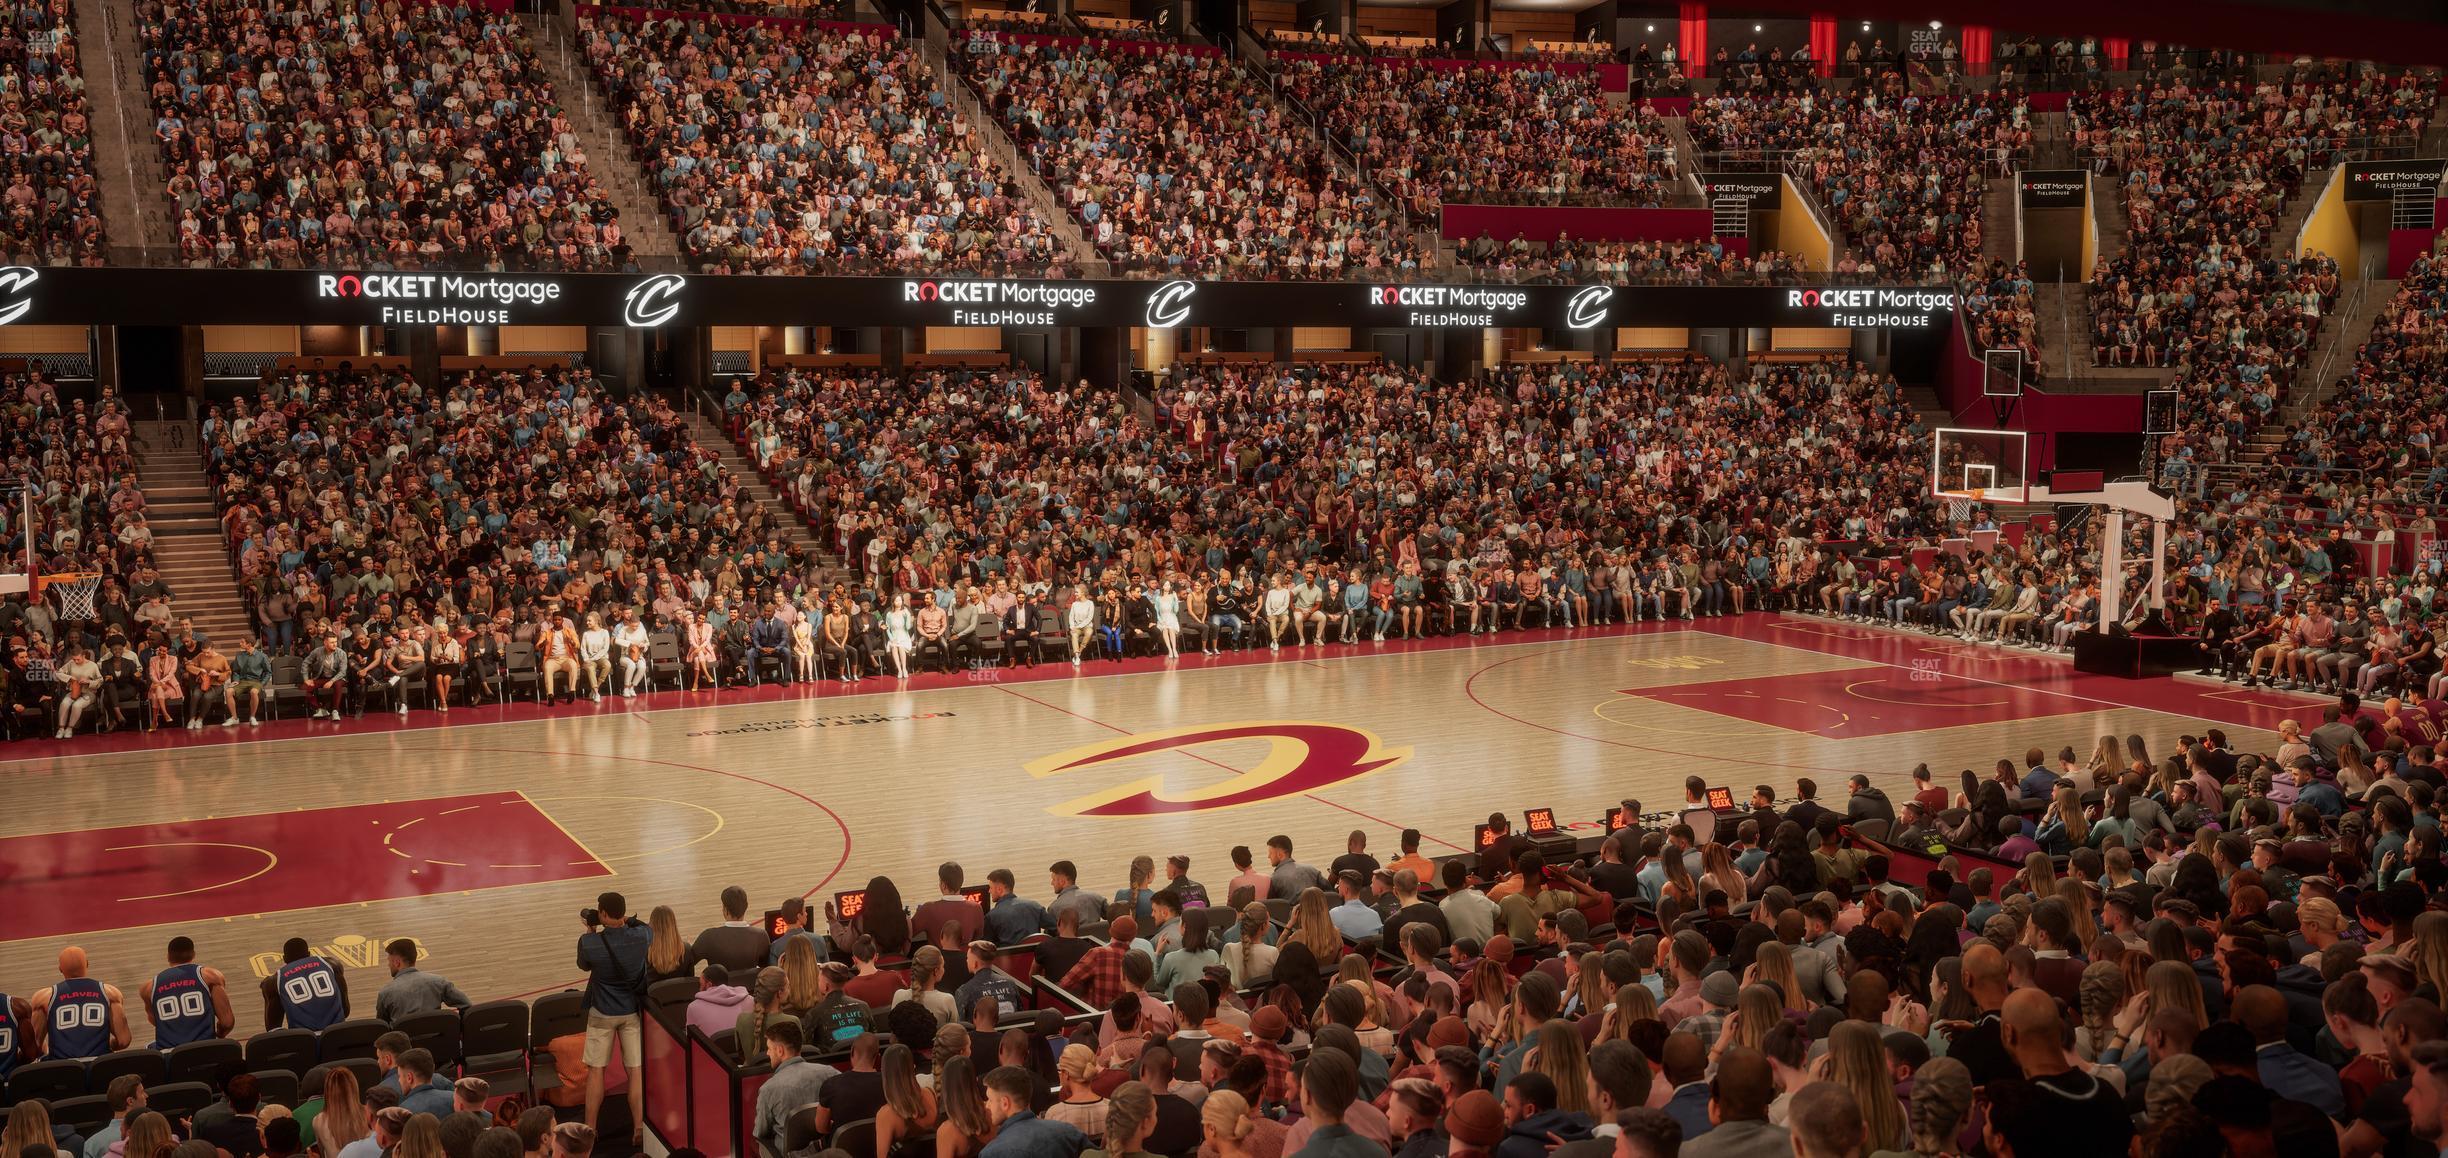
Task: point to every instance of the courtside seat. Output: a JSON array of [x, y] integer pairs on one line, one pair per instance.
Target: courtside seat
[[291, 1050], [353, 1038], [210, 1062], [147, 1064], [48, 1080], [435, 1032]]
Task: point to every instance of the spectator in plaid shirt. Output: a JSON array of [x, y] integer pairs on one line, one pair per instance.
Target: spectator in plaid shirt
[[1267, 1029], [1717, 995], [1097, 978]]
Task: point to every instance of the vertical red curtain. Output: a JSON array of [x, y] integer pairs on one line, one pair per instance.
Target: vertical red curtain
[[1692, 43], [1977, 50], [1823, 42], [2118, 49]]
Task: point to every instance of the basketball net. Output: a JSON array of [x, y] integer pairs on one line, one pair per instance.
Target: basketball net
[[77, 591], [1959, 507]]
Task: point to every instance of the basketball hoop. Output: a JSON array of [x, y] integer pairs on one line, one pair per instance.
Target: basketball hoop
[[1959, 505], [77, 591]]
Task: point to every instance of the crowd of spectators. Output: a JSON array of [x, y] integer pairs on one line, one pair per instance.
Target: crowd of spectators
[[77, 457], [295, 133], [1708, 262], [2195, 954], [1428, 133], [1179, 163], [373, 518], [1901, 174], [803, 147], [46, 140]]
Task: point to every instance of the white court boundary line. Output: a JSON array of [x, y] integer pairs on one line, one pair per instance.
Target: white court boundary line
[[987, 685]]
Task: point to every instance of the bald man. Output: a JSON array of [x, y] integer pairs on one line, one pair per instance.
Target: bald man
[[78, 1017], [1979, 1044], [2284, 1069], [2087, 1115]]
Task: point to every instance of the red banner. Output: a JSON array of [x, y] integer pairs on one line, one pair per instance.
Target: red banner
[[1574, 222]]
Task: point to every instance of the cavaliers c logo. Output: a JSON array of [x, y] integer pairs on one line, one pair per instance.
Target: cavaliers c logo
[[1302, 756]]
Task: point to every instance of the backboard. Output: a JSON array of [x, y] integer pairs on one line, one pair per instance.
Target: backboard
[[1987, 466]]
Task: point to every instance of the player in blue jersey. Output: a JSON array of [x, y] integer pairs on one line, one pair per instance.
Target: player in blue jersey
[[16, 1045], [78, 1017], [308, 992], [187, 1002]]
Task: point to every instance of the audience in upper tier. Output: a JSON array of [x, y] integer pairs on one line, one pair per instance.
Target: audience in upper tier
[[300, 133], [1178, 163], [798, 148], [1431, 133], [53, 200]]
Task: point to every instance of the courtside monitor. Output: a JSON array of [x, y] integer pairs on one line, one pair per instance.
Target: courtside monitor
[[1539, 821]]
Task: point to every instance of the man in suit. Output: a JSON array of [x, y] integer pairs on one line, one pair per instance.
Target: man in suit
[[769, 639], [1019, 627]]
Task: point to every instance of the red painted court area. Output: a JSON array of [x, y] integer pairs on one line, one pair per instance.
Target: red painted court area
[[1865, 701], [63, 883]]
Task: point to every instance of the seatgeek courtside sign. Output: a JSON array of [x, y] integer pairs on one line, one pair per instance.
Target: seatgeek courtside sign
[[123, 296]]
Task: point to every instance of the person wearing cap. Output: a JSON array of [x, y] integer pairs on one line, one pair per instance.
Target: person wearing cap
[[1476, 1124], [1354, 918], [1267, 1028], [1717, 994]]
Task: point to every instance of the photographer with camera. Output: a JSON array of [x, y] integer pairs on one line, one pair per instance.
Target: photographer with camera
[[613, 953]]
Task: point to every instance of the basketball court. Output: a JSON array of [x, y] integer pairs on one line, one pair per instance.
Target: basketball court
[[483, 838]]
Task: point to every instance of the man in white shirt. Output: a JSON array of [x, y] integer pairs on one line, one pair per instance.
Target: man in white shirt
[[80, 681], [1276, 607]]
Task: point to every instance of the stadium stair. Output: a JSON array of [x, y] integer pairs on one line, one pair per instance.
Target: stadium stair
[[753, 483], [126, 162], [1998, 240], [187, 532], [642, 221], [999, 145], [2332, 359]]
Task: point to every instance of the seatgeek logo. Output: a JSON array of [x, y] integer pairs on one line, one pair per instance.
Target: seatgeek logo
[[1169, 306], [1874, 308], [654, 301], [15, 300]]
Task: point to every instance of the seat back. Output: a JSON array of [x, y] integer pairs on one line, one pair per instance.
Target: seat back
[[177, 1100], [146, 1064], [521, 658], [556, 1015], [671, 991], [799, 1130], [350, 1039], [493, 1027], [84, 1113], [48, 1080], [210, 1062], [293, 1050], [857, 1138], [436, 1032], [278, 1087]]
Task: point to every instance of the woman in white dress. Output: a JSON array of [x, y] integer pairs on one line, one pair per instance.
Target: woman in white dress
[[803, 647], [899, 628], [1168, 620]]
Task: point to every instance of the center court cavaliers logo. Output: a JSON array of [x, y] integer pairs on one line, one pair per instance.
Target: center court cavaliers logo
[[653, 301], [1587, 309], [1302, 756], [1169, 306]]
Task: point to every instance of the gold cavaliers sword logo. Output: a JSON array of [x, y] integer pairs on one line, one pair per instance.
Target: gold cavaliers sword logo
[[1302, 756]]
